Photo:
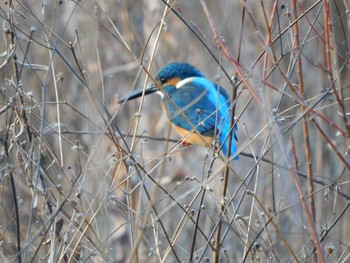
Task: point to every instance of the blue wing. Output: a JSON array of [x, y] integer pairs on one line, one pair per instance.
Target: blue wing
[[204, 105]]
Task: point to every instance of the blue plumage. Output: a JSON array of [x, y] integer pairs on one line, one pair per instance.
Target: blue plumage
[[205, 105]]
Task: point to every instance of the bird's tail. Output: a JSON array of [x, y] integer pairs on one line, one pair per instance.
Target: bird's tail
[[225, 140]]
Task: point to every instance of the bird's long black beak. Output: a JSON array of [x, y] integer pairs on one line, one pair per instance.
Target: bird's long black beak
[[151, 88]]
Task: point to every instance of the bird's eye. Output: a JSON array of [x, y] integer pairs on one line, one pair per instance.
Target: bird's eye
[[162, 80]]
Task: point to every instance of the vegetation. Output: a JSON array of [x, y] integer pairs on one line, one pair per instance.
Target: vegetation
[[86, 179]]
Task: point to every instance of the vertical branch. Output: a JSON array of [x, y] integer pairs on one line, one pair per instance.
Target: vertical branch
[[12, 46], [217, 244], [310, 185], [329, 50], [302, 109]]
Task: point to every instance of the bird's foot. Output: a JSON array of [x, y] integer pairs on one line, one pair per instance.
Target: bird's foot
[[185, 144]]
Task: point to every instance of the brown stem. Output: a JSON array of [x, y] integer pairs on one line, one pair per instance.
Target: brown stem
[[305, 124]]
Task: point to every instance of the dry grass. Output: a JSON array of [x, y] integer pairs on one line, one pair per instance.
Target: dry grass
[[84, 179]]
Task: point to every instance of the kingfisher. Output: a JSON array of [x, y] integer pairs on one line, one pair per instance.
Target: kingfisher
[[198, 109]]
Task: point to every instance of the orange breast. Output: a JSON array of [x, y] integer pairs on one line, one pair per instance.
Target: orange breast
[[194, 138], [189, 136]]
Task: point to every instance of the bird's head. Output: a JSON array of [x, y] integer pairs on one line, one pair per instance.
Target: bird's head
[[169, 75], [172, 73]]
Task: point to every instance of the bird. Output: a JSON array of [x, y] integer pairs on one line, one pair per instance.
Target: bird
[[198, 109]]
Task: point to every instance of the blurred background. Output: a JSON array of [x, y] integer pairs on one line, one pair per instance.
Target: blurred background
[[86, 179]]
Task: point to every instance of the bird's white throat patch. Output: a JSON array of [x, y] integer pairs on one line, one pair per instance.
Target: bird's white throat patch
[[183, 82]]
